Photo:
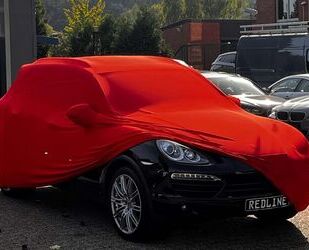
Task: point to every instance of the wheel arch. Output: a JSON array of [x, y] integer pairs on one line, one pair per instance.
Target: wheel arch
[[108, 171]]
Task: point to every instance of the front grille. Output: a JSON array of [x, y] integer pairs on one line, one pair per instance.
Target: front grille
[[284, 116], [247, 185], [197, 189], [251, 184], [297, 116]]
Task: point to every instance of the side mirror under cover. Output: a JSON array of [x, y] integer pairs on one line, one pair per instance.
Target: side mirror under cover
[[83, 115]]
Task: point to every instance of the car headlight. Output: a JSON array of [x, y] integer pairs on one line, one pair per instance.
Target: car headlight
[[251, 108], [180, 153]]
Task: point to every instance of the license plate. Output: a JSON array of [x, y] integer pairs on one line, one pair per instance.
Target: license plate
[[266, 203]]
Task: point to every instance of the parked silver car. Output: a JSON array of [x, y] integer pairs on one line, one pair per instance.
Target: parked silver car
[[291, 87], [252, 98], [294, 112]]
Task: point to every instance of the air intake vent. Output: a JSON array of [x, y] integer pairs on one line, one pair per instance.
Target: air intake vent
[[284, 116], [297, 116]]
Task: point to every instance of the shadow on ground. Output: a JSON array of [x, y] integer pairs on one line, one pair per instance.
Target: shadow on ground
[[50, 218]]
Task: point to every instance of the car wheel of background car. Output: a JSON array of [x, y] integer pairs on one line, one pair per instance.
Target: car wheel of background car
[[17, 192], [277, 215], [129, 206]]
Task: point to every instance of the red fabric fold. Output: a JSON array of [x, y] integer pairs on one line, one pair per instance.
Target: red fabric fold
[[65, 116]]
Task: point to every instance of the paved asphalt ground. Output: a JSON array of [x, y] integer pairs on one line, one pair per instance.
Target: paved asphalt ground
[[51, 219]]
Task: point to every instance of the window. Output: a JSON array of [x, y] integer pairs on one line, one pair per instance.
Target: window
[[287, 85], [236, 85], [228, 58], [303, 86], [287, 9]]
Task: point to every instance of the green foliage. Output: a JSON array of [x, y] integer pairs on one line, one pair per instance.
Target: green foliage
[[145, 37], [234, 9], [81, 14], [82, 42], [42, 28], [195, 9], [123, 30], [139, 33], [158, 10], [57, 18], [82, 21], [107, 33], [135, 32], [174, 10], [213, 8]]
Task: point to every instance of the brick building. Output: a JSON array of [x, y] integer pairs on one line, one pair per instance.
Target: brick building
[[198, 42], [272, 11]]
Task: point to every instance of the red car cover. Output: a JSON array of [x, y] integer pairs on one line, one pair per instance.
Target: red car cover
[[65, 116]]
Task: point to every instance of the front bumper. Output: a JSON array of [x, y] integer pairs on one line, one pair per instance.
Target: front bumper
[[220, 189], [227, 196], [223, 186]]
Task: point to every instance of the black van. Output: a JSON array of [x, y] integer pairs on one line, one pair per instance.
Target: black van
[[268, 58]]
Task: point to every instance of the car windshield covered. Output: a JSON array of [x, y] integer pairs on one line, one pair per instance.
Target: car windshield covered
[[233, 85], [134, 90]]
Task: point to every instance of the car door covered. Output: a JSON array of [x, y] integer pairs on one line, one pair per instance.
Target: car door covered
[[63, 117]]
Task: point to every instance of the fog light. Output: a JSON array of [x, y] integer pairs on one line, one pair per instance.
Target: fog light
[[190, 176]]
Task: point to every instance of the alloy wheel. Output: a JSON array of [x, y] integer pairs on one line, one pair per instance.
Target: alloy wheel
[[126, 204]]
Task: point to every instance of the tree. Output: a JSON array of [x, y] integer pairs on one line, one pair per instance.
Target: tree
[[123, 31], [82, 22], [214, 8], [140, 33], [234, 9], [107, 31], [158, 10], [195, 9], [174, 10], [42, 27], [82, 42], [145, 37], [80, 14]]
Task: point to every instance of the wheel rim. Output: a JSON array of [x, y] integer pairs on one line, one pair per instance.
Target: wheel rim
[[126, 204]]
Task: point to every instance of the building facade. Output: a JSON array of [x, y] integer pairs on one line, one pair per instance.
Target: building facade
[[272, 11], [2, 51], [17, 38], [199, 42]]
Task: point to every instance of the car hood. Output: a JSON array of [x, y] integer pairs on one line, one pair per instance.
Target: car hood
[[260, 142], [236, 132], [299, 104], [264, 101]]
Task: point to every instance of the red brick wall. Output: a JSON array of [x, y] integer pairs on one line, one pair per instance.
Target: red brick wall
[[212, 39], [266, 11], [178, 36], [303, 11]]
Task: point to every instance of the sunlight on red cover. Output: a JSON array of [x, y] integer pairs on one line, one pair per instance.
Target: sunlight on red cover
[[65, 116]]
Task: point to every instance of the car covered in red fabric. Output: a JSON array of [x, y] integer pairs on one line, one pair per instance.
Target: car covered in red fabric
[[154, 135]]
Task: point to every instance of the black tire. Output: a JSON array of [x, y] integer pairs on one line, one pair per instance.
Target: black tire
[[17, 192], [144, 230], [278, 215]]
